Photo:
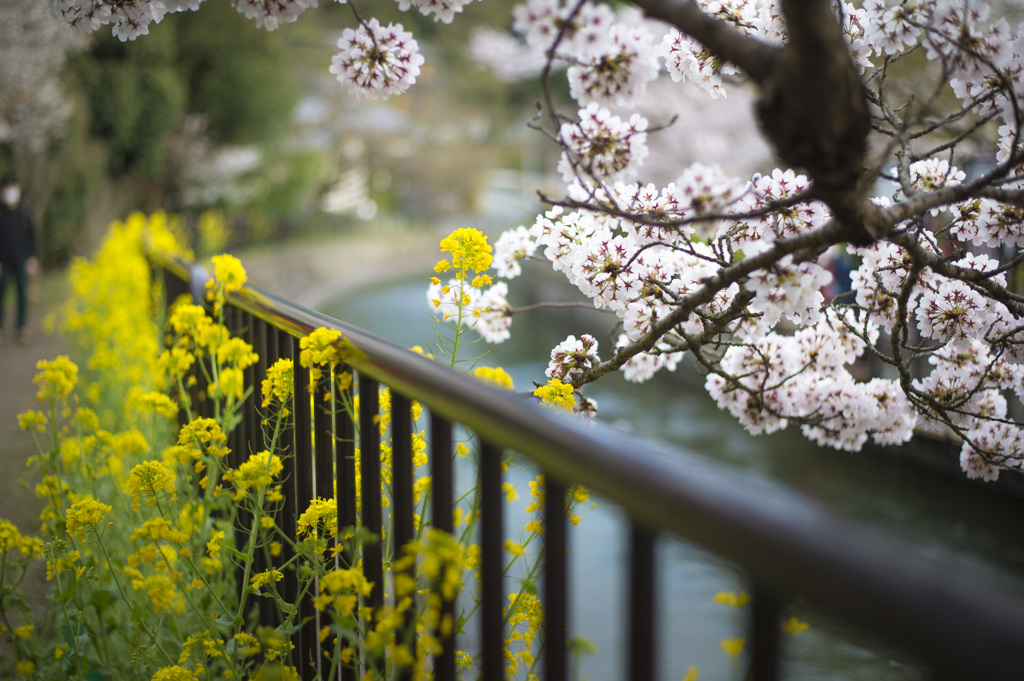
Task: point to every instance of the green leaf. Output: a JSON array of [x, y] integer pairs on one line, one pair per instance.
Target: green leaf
[[69, 592], [102, 599]]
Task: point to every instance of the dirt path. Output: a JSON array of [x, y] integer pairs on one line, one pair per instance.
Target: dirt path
[[18, 503]]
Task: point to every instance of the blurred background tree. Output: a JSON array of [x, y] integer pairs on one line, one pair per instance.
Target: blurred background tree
[[211, 112]]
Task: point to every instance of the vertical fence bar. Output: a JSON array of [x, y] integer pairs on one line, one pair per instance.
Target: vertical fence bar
[[765, 615], [402, 508], [556, 601], [307, 635], [492, 598], [264, 361], [641, 604], [442, 500], [369, 464], [236, 439], [254, 380], [286, 347], [345, 464], [323, 481], [274, 347], [323, 439]]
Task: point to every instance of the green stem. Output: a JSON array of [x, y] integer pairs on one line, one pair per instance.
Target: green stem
[[131, 605]]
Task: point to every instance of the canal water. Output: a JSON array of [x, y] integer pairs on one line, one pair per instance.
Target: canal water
[[947, 520]]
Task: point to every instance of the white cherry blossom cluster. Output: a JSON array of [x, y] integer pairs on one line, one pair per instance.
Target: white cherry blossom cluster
[[377, 61], [442, 10], [805, 376], [733, 273], [270, 14], [688, 60], [616, 70], [602, 146], [485, 311], [572, 357], [129, 19], [984, 222], [789, 289]]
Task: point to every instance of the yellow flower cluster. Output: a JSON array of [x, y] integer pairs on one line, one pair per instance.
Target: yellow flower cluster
[[151, 402], [279, 384], [174, 673], [150, 480], [495, 376], [32, 420], [203, 435], [256, 473], [556, 394], [261, 579], [321, 348], [469, 251], [228, 273], [525, 622], [85, 513], [56, 378], [12, 540], [321, 513]]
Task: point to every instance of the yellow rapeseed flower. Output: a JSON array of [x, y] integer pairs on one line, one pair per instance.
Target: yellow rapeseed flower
[[321, 512], [258, 472], [228, 272], [12, 540], [261, 579], [174, 673], [236, 352], [203, 435], [732, 646], [32, 419], [469, 250], [151, 402], [794, 626], [731, 598], [279, 384], [85, 513], [557, 394], [495, 376], [148, 481], [56, 378]]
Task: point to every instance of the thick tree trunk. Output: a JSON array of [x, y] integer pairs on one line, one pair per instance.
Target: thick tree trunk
[[812, 106]]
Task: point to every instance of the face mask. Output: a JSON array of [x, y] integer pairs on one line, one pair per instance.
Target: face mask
[[11, 196]]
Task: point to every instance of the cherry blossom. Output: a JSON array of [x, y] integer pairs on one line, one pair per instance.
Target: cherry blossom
[[443, 10], [602, 146], [375, 61], [615, 72], [572, 357], [739, 276]]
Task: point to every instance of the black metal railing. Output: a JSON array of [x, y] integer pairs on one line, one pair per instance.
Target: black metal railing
[[960, 627]]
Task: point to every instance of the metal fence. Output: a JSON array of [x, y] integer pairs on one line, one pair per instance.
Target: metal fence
[[959, 628]]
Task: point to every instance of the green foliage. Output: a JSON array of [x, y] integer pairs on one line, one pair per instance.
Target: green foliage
[[290, 185], [137, 99], [239, 76]]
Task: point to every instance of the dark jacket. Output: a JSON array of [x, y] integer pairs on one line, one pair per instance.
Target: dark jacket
[[17, 235]]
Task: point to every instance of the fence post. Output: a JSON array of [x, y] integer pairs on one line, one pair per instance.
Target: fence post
[[641, 604], [372, 520], [492, 597], [442, 500], [555, 581], [765, 610]]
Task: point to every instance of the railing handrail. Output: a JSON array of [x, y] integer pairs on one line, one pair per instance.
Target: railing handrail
[[962, 622]]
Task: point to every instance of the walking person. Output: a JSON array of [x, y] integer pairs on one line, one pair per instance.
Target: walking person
[[17, 254]]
